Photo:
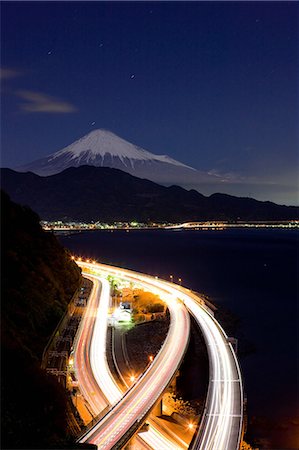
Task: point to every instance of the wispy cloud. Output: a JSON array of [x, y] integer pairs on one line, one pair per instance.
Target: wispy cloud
[[42, 103], [7, 73], [229, 177], [232, 177]]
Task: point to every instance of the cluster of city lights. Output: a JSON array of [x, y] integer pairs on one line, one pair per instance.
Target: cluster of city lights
[[61, 226]]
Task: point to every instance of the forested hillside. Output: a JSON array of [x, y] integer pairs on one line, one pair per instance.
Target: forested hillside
[[38, 281]]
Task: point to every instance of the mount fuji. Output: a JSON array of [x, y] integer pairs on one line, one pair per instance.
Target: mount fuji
[[102, 148]]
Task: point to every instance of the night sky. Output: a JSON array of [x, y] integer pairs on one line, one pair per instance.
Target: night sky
[[213, 85]]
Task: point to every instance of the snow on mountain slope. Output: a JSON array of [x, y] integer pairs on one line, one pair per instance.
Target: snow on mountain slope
[[97, 148], [101, 148], [101, 143]]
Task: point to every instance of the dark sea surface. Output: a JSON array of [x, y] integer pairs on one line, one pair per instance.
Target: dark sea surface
[[254, 274]]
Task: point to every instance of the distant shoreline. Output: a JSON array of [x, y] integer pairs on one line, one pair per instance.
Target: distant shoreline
[[60, 227]]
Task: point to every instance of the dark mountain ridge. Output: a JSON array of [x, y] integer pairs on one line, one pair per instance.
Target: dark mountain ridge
[[104, 194]]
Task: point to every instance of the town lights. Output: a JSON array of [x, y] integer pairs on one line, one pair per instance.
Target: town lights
[[72, 257], [190, 425], [132, 378]]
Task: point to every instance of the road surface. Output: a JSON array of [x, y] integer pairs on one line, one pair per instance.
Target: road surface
[[82, 351], [95, 380], [221, 426]]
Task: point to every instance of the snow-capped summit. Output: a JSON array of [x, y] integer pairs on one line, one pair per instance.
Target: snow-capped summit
[[101, 148]]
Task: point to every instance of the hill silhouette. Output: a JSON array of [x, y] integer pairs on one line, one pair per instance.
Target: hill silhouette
[[90, 193], [38, 281]]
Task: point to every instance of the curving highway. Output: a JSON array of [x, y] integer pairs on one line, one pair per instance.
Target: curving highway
[[222, 422], [82, 351], [221, 426], [95, 378]]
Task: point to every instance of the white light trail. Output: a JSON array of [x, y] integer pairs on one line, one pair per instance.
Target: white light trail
[[221, 425], [100, 370]]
